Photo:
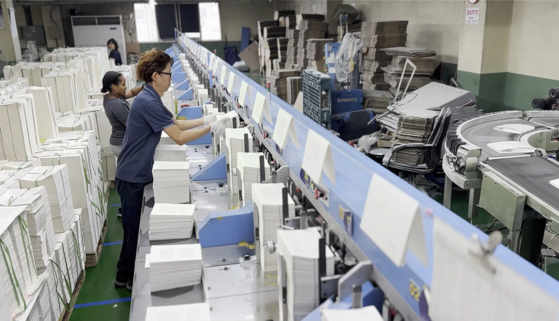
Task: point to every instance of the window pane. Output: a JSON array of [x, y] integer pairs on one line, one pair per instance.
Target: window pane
[[210, 22], [190, 21], [146, 26], [166, 20]]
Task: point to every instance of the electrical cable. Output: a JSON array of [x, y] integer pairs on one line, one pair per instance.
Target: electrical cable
[[52, 19]]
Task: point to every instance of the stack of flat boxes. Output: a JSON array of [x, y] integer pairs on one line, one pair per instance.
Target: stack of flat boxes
[[313, 28], [278, 81], [375, 36], [315, 53], [267, 45]]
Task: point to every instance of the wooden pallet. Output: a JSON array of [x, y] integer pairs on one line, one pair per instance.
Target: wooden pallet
[[91, 260], [67, 312]]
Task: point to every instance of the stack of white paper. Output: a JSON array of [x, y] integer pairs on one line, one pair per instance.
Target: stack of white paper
[[39, 303], [49, 81], [56, 288], [109, 162], [103, 128], [57, 183], [299, 249], [191, 312], [44, 111], [171, 221], [175, 266], [17, 271], [18, 128], [248, 166], [235, 142], [170, 153], [171, 182], [16, 166], [76, 122], [268, 200], [369, 313], [32, 72], [9, 179], [12, 73], [69, 256]]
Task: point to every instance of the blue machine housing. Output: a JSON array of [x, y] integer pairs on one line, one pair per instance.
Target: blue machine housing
[[354, 124]]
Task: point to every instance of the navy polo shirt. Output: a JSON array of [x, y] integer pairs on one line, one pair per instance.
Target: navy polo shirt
[[148, 117]]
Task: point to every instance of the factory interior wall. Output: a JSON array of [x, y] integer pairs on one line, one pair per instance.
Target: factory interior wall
[[7, 55]]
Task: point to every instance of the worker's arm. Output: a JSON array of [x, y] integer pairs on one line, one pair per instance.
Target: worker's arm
[[182, 137], [133, 92], [188, 124]]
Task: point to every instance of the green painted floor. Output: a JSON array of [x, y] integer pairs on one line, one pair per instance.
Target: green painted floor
[[98, 293]]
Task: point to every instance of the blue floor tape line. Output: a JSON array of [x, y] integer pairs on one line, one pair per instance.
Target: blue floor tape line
[[114, 205], [92, 304], [112, 243]]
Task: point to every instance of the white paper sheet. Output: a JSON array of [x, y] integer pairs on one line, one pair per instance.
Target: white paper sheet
[[392, 219], [222, 75], [514, 128], [261, 107], [231, 82], [242, 93], [148, 260], [555, 183], [508, 147], [468, 287], [284, 127], [190, 312], [318, 158]]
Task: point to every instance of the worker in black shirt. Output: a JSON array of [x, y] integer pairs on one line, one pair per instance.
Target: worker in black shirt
[[114, 54]]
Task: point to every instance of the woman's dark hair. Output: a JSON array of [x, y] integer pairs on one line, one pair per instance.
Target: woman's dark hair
[[110, 78], [152, 61], [113, 41]]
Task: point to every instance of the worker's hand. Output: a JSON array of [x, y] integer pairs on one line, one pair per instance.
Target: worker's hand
[[218, 127], [210, 119]]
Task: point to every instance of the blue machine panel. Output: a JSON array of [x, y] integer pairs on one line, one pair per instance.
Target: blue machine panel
[[195, 113], [344, 101], [214, 170], [227, 228]]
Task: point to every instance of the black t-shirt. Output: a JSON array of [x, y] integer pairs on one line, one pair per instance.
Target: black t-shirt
[[116, 56], [117, 110]]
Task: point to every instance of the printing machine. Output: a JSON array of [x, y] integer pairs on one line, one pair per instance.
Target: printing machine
[[507, 160], [337, 203]]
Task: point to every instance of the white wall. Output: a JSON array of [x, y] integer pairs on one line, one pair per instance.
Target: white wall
[[432, 24], [534, 48]]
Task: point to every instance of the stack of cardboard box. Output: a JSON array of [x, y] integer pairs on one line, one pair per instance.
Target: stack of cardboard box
[[278, 81]]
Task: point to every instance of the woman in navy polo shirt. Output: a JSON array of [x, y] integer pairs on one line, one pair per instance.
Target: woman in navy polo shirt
[[147, 119]]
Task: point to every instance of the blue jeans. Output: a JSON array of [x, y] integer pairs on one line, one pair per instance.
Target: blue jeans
[[131, 199]]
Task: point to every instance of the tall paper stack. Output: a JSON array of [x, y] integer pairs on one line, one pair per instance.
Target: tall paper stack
[[75, 122], [300, 250], [248, 167], [17, 271], [376, 36], [235, 142], [12, 73], [175, 266], [171, 182], [57, 183], [278, 81], [18, 128], [293, 36], [268, 199], [315, 53], [294, 87], [103, 128], [170, 153], [171, 221], [108, 160], [33, 73], [39, 304], [39, 220], [377, 100], [422, 58], [44, 111], [309, 29]]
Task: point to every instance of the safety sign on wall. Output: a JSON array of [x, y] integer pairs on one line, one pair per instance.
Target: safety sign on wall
[[472, 16]]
